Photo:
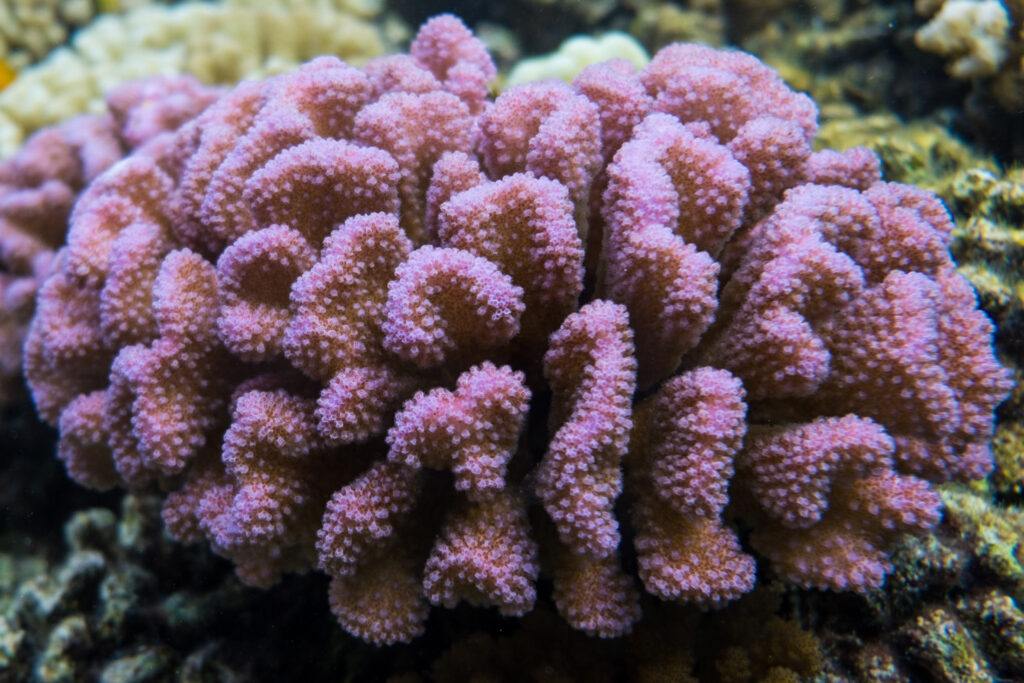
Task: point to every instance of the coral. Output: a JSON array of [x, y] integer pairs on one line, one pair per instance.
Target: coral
[[983, 41], [690, 432], [117, 599], [575, 54], [30, 29], [794, 493], [37, 190], [217, 43], [949, 607], [989, 245], [39, 185], [945, 649], [972, 33], [986, 202], [657, 24], [375, 322]]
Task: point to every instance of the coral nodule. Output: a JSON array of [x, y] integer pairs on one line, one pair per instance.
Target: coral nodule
[[376, 322]]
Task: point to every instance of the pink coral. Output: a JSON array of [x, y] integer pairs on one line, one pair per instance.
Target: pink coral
[[39, 185], [595, 595], [432, 344], [448, 302], [543, 128], [485, 556], [523, 224], [686, 441], [794, 473], [456, 58], [255, 275], [382, 605], [591, 370], [336, 328], [473, 431], [673, 200]]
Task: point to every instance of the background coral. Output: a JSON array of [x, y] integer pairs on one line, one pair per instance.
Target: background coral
[[218, 43], [949, 609], [576, 53], [118, 599], [972, 34], [982, 40], [30, 29], [988, 244], [296, 278]]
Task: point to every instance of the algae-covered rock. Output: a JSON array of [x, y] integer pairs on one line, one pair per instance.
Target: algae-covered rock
[[923, 153], [749, 641], [150, 664], [939, 643], [59, 661], [994, 536], [998, 627], [1008, 449], [99, 614], [989, 246], [948, 610], [659, 23], [12, 650]]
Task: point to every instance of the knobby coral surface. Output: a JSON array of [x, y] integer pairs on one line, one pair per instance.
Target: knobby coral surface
[[376, 322], [39, 185]]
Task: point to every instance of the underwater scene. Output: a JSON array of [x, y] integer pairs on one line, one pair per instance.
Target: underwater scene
[[538, 340]]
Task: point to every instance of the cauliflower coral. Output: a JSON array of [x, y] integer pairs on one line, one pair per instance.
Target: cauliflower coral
[[378, 323]]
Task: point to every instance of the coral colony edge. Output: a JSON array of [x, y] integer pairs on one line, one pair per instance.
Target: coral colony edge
[[376, 322]]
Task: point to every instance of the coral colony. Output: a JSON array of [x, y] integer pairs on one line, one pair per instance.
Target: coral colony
[[380, 323]]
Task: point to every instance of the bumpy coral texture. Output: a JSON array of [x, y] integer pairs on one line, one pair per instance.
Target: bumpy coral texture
[[434, 344], [39, 186]]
